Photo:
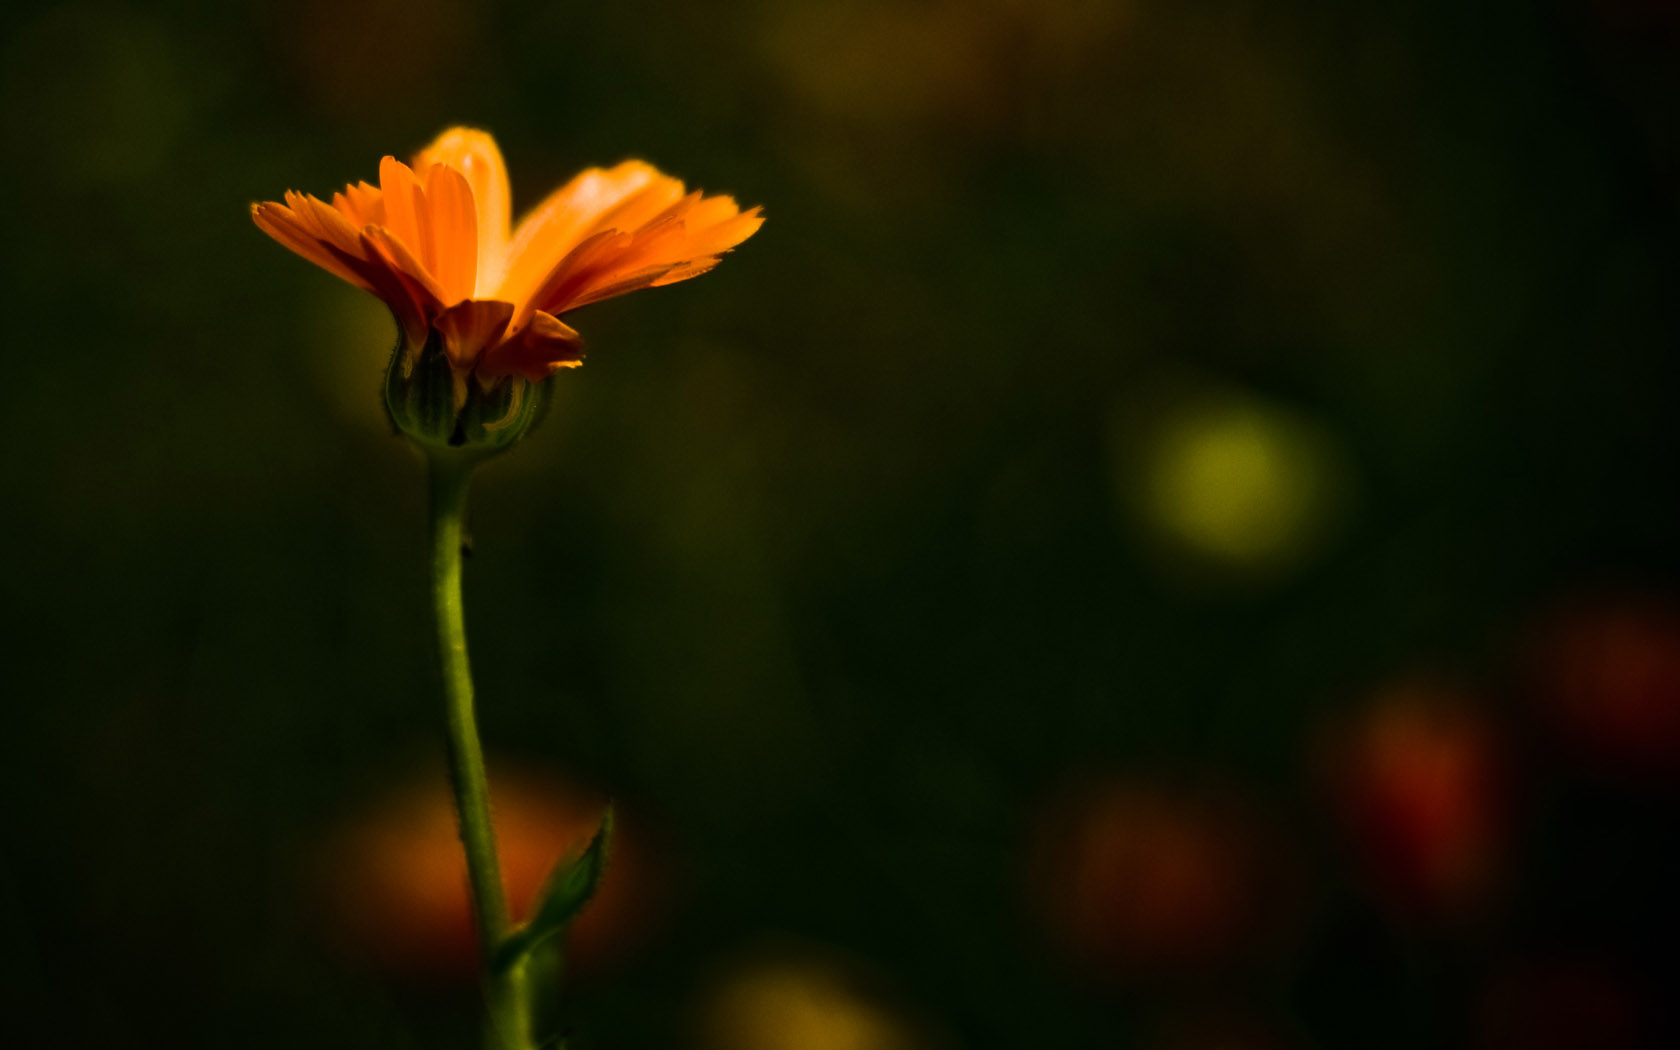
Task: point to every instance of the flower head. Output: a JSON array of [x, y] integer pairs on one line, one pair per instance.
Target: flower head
[[479, 300]]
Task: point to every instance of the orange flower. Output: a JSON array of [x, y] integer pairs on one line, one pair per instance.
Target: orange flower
[[435, 241]]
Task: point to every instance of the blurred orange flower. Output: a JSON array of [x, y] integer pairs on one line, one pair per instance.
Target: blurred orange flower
[[435, 241]]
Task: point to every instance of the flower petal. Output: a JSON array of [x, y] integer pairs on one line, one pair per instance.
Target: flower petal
[[362, 204], [366, 258], [469, 327], [453, 229], [293, 231], [397, 255], [541, 348], [400, 190], [474, 154], [684, 241], [570, 215], [389, 274], [704, 246]]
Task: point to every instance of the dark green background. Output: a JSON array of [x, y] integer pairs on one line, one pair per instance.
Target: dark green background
[[824, 561]]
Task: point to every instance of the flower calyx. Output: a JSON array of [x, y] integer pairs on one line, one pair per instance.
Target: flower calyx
[[441, 406]]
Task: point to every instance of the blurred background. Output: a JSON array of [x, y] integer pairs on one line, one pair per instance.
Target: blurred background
[[1166, 539]]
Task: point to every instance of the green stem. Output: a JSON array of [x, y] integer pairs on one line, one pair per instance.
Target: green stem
[[509, 1011]]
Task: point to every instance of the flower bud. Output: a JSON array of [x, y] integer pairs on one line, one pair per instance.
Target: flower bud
[[439, 406]]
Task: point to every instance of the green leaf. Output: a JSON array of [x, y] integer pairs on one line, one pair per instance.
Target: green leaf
[[570, 885]]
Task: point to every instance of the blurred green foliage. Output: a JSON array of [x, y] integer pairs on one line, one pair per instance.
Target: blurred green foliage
[[834, 564]]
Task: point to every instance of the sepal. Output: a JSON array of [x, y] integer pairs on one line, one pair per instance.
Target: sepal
[[432, 402]]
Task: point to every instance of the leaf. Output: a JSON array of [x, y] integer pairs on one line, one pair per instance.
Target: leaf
[[570, 886]]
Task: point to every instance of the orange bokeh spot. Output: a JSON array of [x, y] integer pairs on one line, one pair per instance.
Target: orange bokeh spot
[[1417, 780], [1607, 672], [396, 876], [1132, 878]]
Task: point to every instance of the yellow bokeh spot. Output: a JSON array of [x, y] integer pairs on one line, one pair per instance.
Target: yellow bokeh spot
[[798, 1003], [1240, 482]]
